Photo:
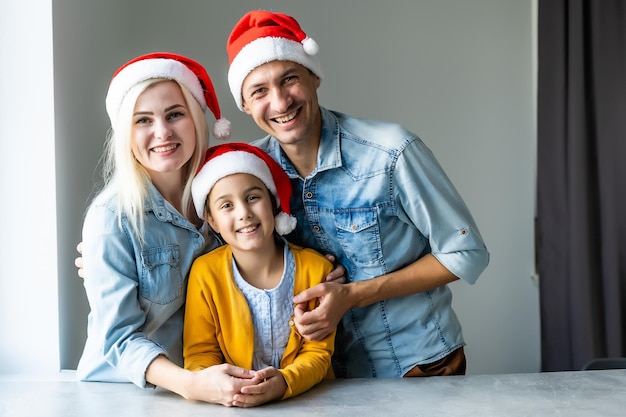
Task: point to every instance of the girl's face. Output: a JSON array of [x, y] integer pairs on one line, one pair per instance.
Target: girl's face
[[241, 211], [163, 132]]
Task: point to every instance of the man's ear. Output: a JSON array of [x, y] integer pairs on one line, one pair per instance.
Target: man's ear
[[244, 107]]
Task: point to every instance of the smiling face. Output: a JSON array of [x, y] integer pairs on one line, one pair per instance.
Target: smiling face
[[163, 131], [241, 210], [281, 97]]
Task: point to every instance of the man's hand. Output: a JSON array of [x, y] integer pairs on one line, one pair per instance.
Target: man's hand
[[334, 301], [338, 274]]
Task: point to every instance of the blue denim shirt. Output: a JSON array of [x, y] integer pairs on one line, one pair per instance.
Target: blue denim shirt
[[136, 292], [378, 200]]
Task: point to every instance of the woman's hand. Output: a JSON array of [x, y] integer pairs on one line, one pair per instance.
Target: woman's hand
[[270, 386], [220, 384], [79, 261]]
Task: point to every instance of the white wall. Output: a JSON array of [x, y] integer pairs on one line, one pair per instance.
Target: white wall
[[29, 336], [458, 73]]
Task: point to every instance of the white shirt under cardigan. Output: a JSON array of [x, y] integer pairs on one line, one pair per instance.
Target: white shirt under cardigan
[[271, 311]]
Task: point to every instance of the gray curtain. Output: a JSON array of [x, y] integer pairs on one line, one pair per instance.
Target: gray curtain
[[581, 201]]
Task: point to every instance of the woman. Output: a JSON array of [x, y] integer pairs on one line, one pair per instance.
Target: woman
[[141, 233]]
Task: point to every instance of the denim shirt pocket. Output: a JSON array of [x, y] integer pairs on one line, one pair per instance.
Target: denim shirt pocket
[[160, 280], [359, 235]]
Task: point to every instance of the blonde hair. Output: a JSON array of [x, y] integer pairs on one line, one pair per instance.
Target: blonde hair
[[126, 178]]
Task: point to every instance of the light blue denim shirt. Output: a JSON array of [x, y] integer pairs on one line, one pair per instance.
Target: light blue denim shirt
[[136, 292], [379, 200]]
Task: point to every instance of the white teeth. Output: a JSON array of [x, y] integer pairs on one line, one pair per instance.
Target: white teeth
[[286, 118], [164, 148], [247, 229]]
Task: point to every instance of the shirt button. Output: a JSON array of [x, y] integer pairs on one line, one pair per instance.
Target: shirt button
[[308, 194], [317, 228]]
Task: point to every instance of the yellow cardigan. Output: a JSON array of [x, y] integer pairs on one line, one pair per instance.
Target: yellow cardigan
[[218, 325]]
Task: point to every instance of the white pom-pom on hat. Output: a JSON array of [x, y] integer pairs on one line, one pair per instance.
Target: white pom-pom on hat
[[284, 223], [221, 129], [310, 46]]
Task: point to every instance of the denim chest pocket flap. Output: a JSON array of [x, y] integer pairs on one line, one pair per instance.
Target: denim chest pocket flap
[[355, 221], [359, 235], [160, 280]]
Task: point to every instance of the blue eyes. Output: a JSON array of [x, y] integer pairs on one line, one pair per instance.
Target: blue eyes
[[169, 117], [174, 115]]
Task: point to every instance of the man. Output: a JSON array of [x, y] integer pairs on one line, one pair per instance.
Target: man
[[372, 194]]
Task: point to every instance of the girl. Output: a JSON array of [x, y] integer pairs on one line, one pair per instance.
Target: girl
[[244, 195]]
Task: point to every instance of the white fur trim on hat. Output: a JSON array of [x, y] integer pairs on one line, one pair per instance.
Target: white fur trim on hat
[[149, 69], [264, 50], [234, 162]]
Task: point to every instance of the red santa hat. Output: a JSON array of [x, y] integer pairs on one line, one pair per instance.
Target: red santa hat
[[169, 66], [261, 37], [242, 158]]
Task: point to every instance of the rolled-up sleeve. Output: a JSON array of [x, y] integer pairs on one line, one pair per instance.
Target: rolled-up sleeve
[[426, 196]]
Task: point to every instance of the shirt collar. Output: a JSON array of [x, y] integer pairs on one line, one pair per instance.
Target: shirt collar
[[328, 155], [155, 202]]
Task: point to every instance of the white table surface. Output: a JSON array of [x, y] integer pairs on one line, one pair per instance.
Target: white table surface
[[583, 393]]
